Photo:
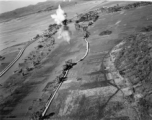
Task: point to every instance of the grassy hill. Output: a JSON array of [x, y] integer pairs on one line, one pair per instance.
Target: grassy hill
[[38, 8]]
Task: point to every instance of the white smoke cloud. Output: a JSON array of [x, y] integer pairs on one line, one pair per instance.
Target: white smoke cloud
[[59, 16], [64, 31]]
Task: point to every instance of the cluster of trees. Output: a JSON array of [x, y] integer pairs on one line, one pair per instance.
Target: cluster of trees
[[53, 28], [67, 66], [106, 32], [36, 56], [2, 57], [146, 28], [92, 15], [117, 8]]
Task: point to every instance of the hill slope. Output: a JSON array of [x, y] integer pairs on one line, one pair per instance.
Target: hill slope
[[40, 7]]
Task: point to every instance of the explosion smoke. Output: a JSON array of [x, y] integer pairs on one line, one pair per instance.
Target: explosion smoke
[[64, 33], [59, 18]]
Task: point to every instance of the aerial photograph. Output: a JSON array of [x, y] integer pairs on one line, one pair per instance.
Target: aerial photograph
[[75, 60]]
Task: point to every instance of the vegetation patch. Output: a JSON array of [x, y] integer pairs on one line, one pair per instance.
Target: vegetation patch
[[106, 32], [145, 106], [117, 7], [14, 99], [134, 60], [98, 108], [6, 59], [92, 15], [146, 28]]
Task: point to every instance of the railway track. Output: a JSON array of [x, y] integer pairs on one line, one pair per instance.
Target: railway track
[[16, 59], [50, 101], [65, 76], [21, 52], [47, 105], [66, 73]]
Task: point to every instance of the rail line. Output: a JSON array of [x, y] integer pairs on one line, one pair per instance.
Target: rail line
[[22, 51], [50, 101], [16, 59], [60, 84], [65, 76]]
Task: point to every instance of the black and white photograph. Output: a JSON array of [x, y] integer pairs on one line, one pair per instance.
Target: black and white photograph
[[75, 60]]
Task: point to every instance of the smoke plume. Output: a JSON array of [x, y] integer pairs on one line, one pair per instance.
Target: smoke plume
[[59, 16], [64, 33], [60, 19]]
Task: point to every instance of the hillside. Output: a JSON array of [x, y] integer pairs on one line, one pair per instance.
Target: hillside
[[38, 8]]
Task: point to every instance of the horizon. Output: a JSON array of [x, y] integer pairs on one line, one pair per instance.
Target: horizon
[[15, 4], [7, 6]]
